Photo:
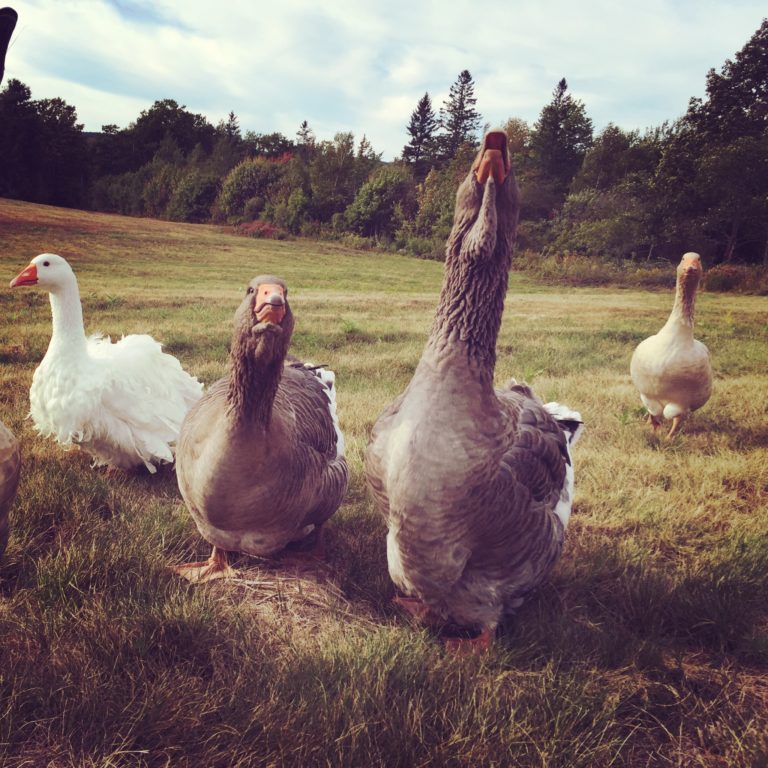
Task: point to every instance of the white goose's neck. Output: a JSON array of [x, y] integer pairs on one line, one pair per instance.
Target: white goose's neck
[[67, 314], [681, 316]]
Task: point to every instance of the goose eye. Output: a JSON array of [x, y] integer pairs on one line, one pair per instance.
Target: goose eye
[[46, 263]]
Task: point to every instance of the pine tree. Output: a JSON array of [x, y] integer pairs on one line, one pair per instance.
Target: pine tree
[[459, 119], [231, 128], [561, 137], [306, 144], [420, 150]]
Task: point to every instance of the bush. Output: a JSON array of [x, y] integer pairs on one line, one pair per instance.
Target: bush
[[738, 278], [253, 207], [261, 229], [424, 247], [577, 269], [193, 197], [249, 180], [377, 209]]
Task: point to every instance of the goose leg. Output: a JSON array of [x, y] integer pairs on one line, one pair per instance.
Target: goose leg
[[215, 567], [469, 646], [307, 550], [677, 422], [418, 610], [654, 421], [457, 645]]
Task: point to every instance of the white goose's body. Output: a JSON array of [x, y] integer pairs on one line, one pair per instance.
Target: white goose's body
[[475, 482], [123, 403], [671, 369]]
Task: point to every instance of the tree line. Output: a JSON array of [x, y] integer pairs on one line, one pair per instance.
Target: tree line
[[698, 183]]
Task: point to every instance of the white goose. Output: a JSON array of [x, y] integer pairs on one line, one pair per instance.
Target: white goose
[[123, 403], [671, 369], [476, 483]]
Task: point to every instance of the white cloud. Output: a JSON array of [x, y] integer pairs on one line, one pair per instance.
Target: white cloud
[[362, 67]]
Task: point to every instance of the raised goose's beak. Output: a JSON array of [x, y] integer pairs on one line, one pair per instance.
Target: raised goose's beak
[[270, 304], [27, 276], [493, 158]]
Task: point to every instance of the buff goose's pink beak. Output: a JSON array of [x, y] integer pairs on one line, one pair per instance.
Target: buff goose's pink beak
[[27, 276], [270, 304]]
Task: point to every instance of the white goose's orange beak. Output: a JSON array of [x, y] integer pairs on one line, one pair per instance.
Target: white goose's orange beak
[[270, 304], [691, 261], [27, 276]]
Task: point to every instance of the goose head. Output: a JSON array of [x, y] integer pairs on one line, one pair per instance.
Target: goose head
[[264, 319], [47, 270], [492, 159], [689, 270], [487, 204]]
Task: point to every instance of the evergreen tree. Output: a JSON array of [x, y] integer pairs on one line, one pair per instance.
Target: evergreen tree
[[459, 119], [306, 143], [420, 150], [230, 128], [561, 137]]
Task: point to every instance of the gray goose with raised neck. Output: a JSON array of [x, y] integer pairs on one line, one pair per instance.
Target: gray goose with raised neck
[[475, 483], [260, 460], [672, 369]]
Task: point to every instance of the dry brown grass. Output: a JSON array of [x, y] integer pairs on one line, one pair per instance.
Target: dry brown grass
[[647, 647]]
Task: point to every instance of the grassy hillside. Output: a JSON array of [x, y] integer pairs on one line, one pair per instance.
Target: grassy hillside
[[647, 647]]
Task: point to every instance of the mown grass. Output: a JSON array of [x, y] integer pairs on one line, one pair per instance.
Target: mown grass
[[648, 646]]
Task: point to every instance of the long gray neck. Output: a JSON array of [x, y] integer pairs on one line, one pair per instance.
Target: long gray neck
[[478, 258], [67, 315], [256, 371]]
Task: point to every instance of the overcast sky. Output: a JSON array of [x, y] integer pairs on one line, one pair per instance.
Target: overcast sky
[[362, 65]]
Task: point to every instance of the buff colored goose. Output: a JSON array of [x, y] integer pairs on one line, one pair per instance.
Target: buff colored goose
[[476, 483], [122, 403], [671, 369], [260, 461], [10, 470]]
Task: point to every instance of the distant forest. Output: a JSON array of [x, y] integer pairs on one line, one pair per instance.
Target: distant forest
[[699, 183]]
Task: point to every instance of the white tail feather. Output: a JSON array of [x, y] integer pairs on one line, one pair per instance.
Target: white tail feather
[[572, 425], [328, 379]]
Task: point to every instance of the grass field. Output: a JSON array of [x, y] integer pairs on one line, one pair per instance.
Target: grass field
[[648, 646]]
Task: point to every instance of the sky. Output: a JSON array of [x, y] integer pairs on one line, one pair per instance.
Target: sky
[[362, 65]]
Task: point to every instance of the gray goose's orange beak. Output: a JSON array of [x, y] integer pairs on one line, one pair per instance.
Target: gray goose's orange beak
[[493, 158], [27, 276], [270, 304]]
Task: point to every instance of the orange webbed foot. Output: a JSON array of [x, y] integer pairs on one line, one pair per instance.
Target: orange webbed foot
[[215, 567]]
